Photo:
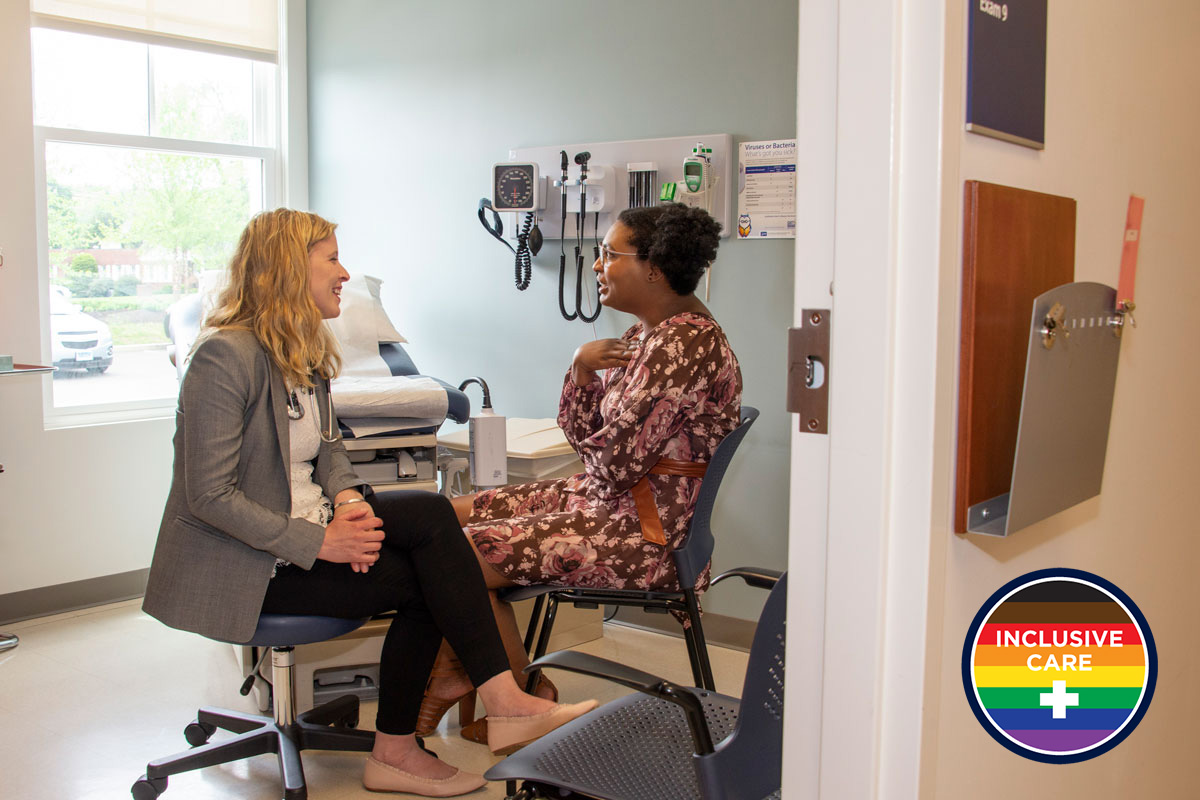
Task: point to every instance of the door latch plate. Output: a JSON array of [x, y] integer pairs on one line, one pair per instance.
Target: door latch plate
[[808, 371]]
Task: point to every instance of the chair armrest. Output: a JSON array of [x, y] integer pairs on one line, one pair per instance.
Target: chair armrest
[[685, 697], [758, 577], [596, 667]]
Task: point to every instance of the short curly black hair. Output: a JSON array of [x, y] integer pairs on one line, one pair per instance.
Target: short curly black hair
[[678, 239]]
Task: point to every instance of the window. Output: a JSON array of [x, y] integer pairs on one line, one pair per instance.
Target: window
[[152, 155]]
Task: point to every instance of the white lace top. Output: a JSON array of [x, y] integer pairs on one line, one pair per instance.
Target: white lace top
[[308, 501]]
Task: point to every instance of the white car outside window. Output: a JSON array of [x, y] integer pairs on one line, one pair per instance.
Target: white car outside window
[[77, 340]]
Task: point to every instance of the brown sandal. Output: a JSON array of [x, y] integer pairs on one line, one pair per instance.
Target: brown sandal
[[434, 708], [477, 729], [544, 683]]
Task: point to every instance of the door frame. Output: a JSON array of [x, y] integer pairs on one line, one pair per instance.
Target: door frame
[[869, 133]]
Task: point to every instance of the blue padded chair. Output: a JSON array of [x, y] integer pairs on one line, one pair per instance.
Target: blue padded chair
[[665, 741], [326, 727], [690, 560]]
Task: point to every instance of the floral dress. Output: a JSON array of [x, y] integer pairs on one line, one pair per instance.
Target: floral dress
[[677, 398]]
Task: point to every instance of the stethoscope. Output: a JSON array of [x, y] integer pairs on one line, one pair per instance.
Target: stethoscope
[[295, 411]]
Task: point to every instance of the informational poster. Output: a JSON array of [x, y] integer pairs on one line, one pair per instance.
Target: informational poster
[[1006, 71], [767, 190]]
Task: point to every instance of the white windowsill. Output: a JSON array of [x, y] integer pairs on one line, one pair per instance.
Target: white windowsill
[[84, 416]]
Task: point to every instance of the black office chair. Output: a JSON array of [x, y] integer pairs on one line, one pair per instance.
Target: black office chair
[[690, 560], [326, 727], [665, 741]]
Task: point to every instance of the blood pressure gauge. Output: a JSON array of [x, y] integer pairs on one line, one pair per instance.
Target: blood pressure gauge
[[516, 187]]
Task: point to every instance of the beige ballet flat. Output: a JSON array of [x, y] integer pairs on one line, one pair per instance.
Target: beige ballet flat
[[476, 730], [508, 734], [380, 777]]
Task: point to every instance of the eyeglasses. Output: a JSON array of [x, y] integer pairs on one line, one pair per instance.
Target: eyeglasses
[[607, 254]]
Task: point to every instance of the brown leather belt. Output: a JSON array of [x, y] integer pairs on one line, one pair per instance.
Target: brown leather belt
[[643, 495]]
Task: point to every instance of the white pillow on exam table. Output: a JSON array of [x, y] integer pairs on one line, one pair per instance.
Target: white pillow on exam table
[[362, 326]]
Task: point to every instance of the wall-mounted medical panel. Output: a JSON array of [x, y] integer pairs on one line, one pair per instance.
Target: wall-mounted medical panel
[[628, 173]]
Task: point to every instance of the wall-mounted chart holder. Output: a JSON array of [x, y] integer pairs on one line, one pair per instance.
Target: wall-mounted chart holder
[[1066, 405], [609, 177]]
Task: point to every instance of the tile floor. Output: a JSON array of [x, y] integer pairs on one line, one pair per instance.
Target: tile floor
[[89, 697]]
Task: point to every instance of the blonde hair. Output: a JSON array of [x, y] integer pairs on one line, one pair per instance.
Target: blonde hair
[[268, 294]]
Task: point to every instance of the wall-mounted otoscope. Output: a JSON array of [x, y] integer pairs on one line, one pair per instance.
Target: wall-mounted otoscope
[[562, 240], [580, 233], [581, 218]]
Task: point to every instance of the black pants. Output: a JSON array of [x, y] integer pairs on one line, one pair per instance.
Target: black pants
[[427, 572]]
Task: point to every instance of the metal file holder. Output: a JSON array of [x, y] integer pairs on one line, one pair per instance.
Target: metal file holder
[[1066, 405]]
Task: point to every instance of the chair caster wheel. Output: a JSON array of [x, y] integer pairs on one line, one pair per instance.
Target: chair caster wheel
[[198, 733], [146, 789]]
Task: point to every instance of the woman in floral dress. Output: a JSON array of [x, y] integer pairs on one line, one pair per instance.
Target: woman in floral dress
[[671, 392], [677, 397]]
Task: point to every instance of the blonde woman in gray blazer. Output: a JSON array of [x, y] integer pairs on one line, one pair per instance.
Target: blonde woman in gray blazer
[[265, 514]]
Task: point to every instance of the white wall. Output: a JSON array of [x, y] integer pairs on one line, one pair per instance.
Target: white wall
[[1123, 80], [77, 503]]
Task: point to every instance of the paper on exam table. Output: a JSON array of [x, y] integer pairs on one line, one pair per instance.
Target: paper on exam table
[[358, 398], [537, 438], [384, 426], [527, 438]]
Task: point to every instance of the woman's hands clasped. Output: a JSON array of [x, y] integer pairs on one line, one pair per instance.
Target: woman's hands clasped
[[353, 537], [597, 355]]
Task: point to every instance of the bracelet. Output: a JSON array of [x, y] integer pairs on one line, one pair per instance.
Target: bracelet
[[348, 502]]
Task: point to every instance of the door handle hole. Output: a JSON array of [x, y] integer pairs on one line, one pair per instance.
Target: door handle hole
[[815, 374]]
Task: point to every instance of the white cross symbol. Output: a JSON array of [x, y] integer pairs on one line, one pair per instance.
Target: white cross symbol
[[1059, 698]]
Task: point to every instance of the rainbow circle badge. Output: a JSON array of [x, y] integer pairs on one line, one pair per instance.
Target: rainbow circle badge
[[1059, 666]]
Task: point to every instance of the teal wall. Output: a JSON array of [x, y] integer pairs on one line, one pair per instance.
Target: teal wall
[[410, 103]]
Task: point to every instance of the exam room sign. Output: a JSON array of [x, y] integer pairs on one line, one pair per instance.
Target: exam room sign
[[1006, 70]]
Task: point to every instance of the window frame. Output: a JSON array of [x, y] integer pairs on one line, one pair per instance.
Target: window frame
[[273, 189]]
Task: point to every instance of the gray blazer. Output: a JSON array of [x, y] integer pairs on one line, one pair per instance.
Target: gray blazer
[[226, 519]]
